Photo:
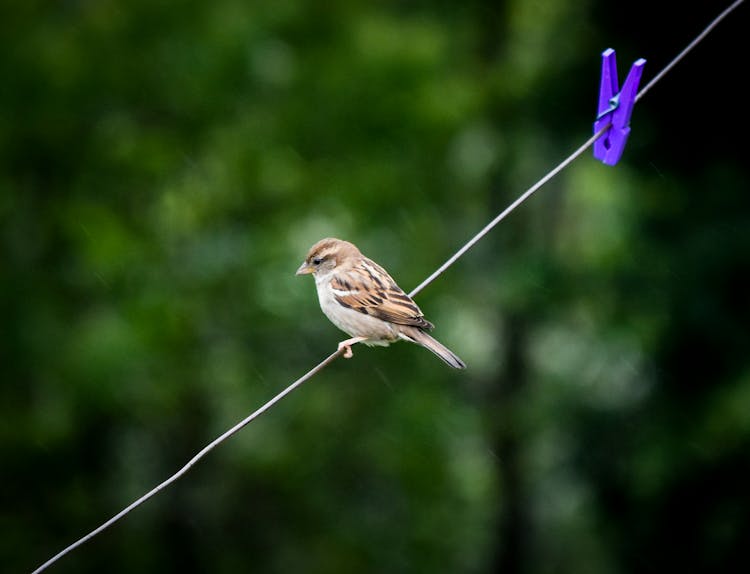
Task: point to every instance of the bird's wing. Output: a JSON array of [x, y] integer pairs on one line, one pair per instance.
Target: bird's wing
[[366, 287]]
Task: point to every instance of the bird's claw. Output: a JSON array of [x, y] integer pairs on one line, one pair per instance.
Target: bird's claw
[[347, 346], [348, 354]]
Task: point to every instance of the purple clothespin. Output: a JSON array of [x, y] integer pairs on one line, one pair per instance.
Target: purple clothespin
[[615, 106]]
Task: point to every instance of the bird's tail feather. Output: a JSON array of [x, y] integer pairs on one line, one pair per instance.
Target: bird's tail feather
[[428, 342]]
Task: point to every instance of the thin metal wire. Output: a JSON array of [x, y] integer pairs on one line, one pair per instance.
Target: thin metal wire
[[320, 366], [523, 197], [203, 452], [698, 39], [567, 161]]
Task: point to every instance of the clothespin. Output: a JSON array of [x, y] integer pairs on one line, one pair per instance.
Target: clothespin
[[615, 107]]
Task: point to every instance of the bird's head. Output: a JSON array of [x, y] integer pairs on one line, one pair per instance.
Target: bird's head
[[326, 255]]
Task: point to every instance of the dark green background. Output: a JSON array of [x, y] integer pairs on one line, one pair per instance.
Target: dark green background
[[165, 167]]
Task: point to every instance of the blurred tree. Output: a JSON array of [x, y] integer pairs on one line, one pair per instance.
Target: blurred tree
[[165, 166]]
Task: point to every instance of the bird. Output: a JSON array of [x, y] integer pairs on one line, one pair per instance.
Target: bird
[[363, 300]]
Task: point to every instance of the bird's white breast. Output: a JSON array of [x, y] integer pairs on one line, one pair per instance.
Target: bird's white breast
[[355, 323]]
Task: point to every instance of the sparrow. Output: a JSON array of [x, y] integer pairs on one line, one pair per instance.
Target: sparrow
[[361, 299]]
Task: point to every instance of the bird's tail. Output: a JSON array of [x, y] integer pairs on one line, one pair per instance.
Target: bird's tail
[[428, 342]]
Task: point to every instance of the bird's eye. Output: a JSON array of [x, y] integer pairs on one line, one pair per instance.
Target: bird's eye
[[317, 261]]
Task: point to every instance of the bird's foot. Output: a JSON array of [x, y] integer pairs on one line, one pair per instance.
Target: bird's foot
[[347, 346]]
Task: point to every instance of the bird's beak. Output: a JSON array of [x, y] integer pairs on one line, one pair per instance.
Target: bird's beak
[[304, 269]]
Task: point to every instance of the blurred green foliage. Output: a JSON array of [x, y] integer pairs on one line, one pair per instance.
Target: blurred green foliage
[[166, 165]]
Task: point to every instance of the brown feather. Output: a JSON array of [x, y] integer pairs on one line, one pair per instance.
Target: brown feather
[[370, 290], [419, 337]]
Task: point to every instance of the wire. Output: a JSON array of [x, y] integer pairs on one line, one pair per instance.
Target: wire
[[523, 197], [203, 452], [698, 39], [567, 161]]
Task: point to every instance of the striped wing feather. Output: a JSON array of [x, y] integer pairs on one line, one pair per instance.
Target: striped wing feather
[[368, 288]]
